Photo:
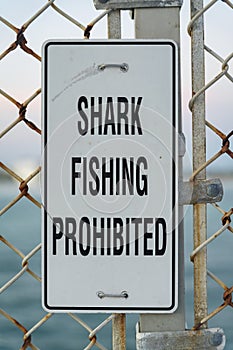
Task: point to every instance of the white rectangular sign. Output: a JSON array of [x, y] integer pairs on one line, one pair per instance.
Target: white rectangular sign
[[110, 176]]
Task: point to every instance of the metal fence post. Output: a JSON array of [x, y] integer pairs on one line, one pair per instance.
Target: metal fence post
[[199, 157], [118, 332], [164, 23], [118, 322], [114, 24]]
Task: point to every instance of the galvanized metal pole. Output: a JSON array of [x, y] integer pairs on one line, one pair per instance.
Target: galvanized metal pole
[[199, 157], [118, 322], [118, 332], [164, 23], [114, 24]]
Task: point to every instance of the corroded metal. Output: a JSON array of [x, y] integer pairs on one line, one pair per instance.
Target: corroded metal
[[199, 158], [209, 339], [132, 4], [201, 191], [118, 332]]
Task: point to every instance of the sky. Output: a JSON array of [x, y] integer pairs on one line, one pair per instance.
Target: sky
[[20, 74]]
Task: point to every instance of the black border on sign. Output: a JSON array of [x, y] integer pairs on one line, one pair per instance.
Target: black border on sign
[[174, 182]]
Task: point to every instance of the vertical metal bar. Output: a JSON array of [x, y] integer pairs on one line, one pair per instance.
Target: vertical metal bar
[[199, 157], [118, 332], [118, 322], [157, 23], [114, 24]]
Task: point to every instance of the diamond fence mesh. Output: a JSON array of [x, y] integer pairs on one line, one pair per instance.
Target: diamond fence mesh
[[23, 29], [205, 87]]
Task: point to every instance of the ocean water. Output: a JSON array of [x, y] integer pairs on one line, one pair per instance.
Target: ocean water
[[21, 227]]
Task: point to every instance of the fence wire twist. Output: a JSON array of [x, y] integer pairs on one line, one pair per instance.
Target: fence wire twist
[[224, 148]]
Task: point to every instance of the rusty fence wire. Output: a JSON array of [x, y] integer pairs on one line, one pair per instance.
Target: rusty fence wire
[[20, 109], [206, 86]]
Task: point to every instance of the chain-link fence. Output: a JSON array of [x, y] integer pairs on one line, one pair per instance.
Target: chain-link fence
[[23, 30], [202, 83]]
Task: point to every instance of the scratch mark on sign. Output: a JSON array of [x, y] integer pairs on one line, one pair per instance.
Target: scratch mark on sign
[[84, 74]]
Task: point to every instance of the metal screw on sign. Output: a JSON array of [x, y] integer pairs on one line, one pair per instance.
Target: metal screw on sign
[[102, 295], [124, 67]]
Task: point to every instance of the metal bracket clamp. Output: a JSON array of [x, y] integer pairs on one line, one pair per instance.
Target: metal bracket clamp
[[200, 191], [132, 4], [211, 339]]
